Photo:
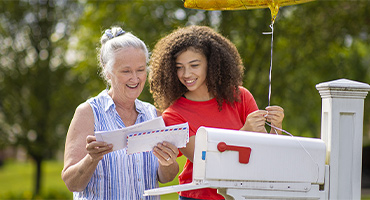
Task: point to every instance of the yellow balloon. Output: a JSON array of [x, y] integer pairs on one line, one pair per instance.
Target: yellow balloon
[[273, 5]]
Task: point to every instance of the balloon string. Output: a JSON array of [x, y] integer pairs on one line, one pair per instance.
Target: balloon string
[[272, 47]]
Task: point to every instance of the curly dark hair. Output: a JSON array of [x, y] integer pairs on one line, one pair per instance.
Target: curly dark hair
[[224, 72]]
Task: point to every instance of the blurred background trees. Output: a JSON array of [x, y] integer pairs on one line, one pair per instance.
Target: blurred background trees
[[37, 92], [48, 59]]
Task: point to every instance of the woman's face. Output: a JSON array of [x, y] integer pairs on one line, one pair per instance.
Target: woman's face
[[191, 68], [128, 73]]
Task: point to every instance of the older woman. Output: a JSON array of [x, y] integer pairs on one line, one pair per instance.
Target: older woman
[[91, 169]]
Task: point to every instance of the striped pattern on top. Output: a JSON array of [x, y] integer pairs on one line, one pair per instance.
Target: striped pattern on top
[[156, 131], [119, 175]]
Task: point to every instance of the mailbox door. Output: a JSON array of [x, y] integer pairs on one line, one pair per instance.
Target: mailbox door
[[272, 157]]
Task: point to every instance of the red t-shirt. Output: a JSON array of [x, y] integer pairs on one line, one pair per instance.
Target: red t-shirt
[[206, 113]]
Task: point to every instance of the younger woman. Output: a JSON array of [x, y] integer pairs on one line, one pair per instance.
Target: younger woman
[[196, 76]]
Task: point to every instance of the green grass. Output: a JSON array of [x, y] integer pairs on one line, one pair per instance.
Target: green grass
[[17, 180]]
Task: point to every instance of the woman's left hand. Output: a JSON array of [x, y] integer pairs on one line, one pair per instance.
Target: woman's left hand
[[275, 115], [166, 153], [168, 166]]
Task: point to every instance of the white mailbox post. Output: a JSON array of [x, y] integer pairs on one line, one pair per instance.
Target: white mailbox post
[[248, 165], [342, 132]]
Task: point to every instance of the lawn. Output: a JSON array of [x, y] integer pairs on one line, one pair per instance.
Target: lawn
[[17, 181]]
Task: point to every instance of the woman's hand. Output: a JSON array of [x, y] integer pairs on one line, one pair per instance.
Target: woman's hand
[[166, 153], [255, 122], [275, 115], [168, 166], [97, 149]]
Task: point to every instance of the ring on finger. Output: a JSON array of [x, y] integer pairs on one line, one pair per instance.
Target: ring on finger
[[168, 158]]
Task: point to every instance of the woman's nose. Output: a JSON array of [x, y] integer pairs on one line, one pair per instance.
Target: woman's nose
[[187, 72], [134, 77]]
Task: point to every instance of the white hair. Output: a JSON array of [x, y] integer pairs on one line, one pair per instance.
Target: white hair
[[112, 40]]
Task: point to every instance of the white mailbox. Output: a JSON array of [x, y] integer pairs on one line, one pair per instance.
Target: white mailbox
[[244, 165], [278, 158]]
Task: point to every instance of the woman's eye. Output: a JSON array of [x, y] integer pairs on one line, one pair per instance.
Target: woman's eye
[[178, 67], [194, 65], [125, 71]]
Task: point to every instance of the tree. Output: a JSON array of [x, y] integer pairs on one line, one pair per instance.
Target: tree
[[37, 91]]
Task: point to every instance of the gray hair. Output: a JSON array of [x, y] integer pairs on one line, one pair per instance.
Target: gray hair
[[112, 40]]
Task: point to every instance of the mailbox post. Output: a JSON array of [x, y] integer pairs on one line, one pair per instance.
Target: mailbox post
[[342, 132]]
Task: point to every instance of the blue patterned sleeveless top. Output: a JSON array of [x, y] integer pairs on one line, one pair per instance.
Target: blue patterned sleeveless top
[[118, 175]]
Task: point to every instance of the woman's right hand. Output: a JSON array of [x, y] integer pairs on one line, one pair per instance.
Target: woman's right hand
[[97, 149], [255, 122]]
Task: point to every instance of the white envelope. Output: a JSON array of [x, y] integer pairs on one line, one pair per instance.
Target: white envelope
[[119, 137], [177, 135]]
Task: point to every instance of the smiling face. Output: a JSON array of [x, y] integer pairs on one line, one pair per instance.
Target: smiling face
[[191, 68], [128, 74]]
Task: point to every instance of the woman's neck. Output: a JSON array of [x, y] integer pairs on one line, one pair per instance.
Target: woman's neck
[[194, 96], [125, 109]]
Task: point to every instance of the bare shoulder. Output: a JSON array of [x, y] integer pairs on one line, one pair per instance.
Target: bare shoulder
[[82, 123], [84, 110]]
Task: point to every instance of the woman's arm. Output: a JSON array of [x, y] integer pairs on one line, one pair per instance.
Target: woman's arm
[[168, 166], [82, 151], [188, 151]]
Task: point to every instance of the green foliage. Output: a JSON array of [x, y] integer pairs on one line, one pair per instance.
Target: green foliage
[[37, 94], [316, 44], [313, 43]]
